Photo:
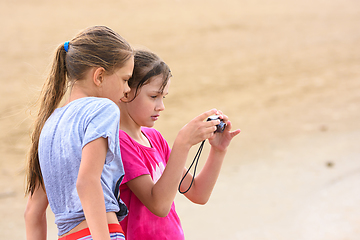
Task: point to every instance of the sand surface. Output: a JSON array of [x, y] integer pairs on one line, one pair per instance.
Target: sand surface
[[287, 73]]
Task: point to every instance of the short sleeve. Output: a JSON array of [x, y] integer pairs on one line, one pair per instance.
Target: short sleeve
[[103, 122], [132, 157], [159, 142], [164, 145]]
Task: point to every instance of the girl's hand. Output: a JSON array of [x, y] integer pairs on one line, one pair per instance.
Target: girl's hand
[[198, 129], [220, 141]]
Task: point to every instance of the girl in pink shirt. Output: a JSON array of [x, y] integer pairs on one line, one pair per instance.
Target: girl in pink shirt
[[152, 170]]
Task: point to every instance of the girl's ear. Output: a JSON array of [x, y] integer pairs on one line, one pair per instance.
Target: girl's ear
[[98, 76], [128, 97]]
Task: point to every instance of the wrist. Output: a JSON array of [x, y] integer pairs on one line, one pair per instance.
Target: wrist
[[218, 150], [181, 144]]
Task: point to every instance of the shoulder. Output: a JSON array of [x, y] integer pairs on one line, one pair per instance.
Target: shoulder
[[96, 107], [124, 136], [102, 103], [157, 140], [151, 132], [126, 141]]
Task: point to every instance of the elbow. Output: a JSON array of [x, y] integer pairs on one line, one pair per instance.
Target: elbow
[[201, 200], [161, 211], [26, 214], [161, 214], [83, 186], [35, 210], [79, 187], [159, 205], [31, 214]]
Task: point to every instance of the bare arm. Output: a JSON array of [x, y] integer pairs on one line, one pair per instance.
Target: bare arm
[[89, 187], [205, 181], [159, 196], [35, 215]]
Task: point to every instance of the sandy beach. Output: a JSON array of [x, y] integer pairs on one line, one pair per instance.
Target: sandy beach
[[287, 73]]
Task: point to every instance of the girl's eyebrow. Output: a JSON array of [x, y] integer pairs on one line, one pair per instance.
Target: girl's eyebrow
[[124, 76], [159, 92]]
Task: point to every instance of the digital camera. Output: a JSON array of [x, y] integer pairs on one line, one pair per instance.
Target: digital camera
[[221, 126]]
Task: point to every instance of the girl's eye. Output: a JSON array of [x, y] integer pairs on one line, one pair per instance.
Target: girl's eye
[[154, 97]]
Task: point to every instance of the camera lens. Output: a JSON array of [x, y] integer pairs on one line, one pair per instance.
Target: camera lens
[[221, 126]]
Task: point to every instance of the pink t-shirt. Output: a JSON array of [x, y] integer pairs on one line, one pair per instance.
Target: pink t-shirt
[[139, 160]]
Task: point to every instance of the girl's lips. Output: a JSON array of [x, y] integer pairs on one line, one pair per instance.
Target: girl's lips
[[155, 117]]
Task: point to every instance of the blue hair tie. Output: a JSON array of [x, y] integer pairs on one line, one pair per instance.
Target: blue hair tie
[[66, 46]]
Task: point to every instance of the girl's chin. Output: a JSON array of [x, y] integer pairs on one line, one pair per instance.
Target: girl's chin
[[149, 124]]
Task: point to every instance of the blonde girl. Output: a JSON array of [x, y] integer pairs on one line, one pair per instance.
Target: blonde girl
[[153, 170], [74, 163]]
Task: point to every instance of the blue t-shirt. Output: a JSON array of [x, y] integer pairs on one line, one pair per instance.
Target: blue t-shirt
[[62, 138]]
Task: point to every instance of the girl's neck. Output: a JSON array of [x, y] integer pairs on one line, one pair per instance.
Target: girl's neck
[[78, 90], [133, 130], [137, 136]]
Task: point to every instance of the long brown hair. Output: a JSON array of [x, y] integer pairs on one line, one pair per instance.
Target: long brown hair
[[97, 46]]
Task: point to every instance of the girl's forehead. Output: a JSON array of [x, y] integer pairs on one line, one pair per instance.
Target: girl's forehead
[[157, 81], [156, 85]]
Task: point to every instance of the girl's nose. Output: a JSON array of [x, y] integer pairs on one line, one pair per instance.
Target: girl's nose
[[160, 106], [126, 87]]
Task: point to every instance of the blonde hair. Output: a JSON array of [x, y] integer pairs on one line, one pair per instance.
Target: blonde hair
[[97, 46]]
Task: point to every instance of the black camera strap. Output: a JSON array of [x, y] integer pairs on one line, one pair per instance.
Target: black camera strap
[[196, 161]]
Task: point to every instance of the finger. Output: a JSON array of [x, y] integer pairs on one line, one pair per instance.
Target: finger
[[212, 136], [220, 114], [228, 125], [234, 133], [212, 123], [207, 114], [224, 118]]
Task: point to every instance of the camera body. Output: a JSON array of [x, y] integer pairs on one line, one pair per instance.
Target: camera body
[[221, 126]]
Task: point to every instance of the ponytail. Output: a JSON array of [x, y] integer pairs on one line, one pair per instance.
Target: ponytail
[[53, 91]]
